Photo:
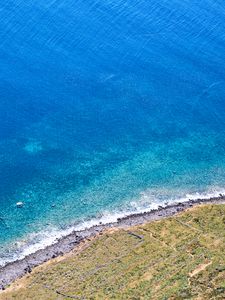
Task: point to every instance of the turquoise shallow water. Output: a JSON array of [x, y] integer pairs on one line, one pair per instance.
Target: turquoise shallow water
[[106, 107]]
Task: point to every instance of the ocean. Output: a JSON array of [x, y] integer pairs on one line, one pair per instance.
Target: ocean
[[106, 108]]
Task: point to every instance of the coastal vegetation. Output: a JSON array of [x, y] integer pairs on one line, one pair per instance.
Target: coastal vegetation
[[180, 257]]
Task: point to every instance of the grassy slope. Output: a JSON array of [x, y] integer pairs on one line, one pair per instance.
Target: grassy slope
[[182, 257]]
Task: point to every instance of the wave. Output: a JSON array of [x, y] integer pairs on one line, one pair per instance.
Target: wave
[[37, 241]]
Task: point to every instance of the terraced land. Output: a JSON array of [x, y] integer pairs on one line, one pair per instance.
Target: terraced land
[[182, 257]]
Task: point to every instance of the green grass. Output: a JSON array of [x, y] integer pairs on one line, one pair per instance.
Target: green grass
[[182, 257]]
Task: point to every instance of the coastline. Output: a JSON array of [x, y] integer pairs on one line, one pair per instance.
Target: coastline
[[17, 269]]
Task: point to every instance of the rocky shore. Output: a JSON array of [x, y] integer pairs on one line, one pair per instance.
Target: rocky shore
[[19, 268]]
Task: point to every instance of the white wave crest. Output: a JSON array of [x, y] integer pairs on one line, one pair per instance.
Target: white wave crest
[[145, 203]]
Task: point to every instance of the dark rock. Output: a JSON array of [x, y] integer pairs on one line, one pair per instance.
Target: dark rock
[[17, 269], [28, 269]]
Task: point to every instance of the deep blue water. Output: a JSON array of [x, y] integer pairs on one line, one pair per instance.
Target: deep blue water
[[107, 106]]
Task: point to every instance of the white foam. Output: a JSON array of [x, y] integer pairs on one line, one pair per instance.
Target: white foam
[[146, 203]]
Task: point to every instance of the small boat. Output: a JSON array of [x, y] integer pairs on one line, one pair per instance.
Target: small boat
[[19, 204]]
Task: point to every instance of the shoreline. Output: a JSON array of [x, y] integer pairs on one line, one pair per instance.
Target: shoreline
[[18, 268]]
